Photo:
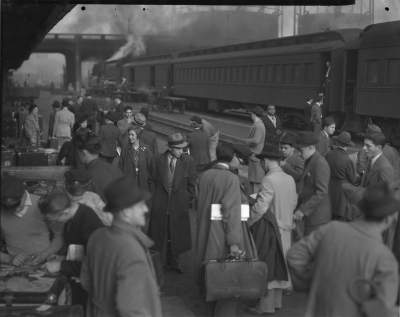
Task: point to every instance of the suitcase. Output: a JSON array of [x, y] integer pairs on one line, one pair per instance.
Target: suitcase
[[7, 158]]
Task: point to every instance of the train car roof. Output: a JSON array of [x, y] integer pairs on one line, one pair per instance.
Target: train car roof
[[347, 36], [381, 35], [147, 60]]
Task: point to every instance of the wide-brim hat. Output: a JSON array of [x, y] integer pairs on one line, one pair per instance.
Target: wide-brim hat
[[177, 140], [373, 128], [307, 138], [196, 119], [139, 119], [343, 139], [123, 193], [379, 200], [288, 138], [270, 152]]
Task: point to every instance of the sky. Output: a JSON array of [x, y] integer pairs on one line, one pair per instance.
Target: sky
[[139, 20]]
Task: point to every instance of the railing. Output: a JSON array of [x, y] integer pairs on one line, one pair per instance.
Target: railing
[[72, 36]]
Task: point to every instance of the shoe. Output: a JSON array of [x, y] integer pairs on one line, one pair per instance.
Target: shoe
[[256, 311]]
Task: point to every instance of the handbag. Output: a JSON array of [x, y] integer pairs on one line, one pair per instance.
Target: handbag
[[235, 278]]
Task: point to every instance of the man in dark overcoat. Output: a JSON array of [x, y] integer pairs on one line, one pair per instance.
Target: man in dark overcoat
[[109, 135], [328, 128], [198, 144], [342, 171], [293, 163], [173, 179], [314, 203], [273, 125]]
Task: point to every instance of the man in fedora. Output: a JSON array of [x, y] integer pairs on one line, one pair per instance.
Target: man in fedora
[[314, 205], [292, 163], [109, 135], [271, 218], [342, 171], [332, 258], [316, 116], [273, 125], [173, 181], [255, 142], [146, 136]]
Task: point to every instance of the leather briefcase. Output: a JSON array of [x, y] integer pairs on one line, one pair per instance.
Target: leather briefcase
[[244, 279]]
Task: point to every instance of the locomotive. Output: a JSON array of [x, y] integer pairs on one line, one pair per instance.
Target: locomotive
[[356, 71]]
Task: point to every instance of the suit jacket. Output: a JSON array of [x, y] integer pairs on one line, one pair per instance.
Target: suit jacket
[[313, 191], [342, 171], [63, 122], [324, 143], [271, 131], [381, 171], [109, 135], [149, 138], [316, 114], [393, 157], [198, 145]]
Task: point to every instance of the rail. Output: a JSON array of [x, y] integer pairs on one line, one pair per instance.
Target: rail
[[89, 36]]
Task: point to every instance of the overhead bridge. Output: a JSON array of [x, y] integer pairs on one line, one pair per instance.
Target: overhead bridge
[[80, 47]]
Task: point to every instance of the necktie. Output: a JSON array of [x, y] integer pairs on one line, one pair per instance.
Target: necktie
[[171, 165]]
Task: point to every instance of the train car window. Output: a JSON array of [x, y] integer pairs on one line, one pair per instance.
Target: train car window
[[372, 72], [258, 73], [266, 73], [298, 73], [308, 72], [393, 72], [278, 73]]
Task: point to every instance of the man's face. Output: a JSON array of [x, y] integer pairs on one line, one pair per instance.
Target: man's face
[[177, 152], [287, 150], [128, 114], [330, 129], [371, 149], [306, 151], [136, 214], [271, 110]]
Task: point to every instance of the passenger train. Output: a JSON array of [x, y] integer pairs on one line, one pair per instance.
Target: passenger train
[[358, 72]]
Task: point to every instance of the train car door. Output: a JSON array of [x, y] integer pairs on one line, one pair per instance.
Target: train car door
[[350, 82]]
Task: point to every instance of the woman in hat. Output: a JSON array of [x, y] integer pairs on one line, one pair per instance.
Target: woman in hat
[[109, 135], [136, 159], [173, 183], [342, 171], [77, 184], [80, 221], [330, 259], [122, 251]]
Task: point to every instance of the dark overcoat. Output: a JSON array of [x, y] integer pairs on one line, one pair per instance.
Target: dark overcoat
[[199, 145], [324, 143], [175, 203], [109, 135], [269, 246], [313, 191], [128, 167], [342, 171]]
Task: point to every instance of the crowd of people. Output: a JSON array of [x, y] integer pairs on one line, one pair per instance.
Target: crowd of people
[[322, 218]]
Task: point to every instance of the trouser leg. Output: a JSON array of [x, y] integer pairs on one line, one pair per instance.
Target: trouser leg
[[267, 303], [278, 298]]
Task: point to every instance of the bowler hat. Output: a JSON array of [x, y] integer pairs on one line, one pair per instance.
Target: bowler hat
[[288, 138], [177, 140], [270, 152], [258, 111], [196, 119], [139, 119], [307, 138], [379, 201], [79, 175], [123, 193], [12, 187], [343, 139]]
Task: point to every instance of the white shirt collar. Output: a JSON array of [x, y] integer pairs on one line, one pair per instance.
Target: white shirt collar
[[23, 208], [373, 160], [223, 164]]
